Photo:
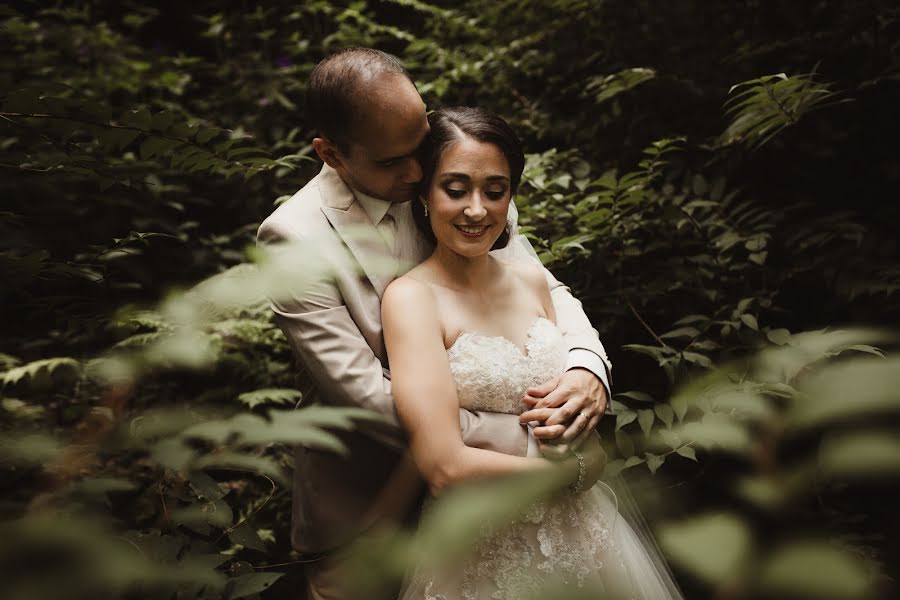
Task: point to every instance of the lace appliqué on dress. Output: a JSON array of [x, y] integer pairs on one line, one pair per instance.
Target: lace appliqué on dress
[[492, 373]]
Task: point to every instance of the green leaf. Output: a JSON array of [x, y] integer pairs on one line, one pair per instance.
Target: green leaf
[[646, 417], [46, 366], [679, 405], [656, 352], [162, 120], [685, 332], [713, 547], [700, 359], [779, 337], [118, 137], [654, 461], [692, 319], [624, 417], [251, 584], [866, 349], [717, 431], [864, 454], [270, 396], [756, 243], [639, 396], [758, 257], [153, 146], [606, 88], [205, 134], [632, 461], [848, 390], [665, 413], [687, 452], [750, 321], [245, 535], [237, 152], [139, 118], [205, 486], [838, 574]]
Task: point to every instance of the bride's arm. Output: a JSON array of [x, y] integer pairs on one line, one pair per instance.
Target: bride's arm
[[425, 393]]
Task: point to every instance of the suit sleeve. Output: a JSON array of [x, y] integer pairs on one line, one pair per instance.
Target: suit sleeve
[[324, 337]]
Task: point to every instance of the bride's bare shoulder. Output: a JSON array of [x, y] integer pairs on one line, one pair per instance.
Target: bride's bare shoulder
[[529, 272], [408, 293], [406, 287]]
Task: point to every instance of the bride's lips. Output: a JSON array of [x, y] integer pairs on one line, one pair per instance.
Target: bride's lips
[[472, 231]]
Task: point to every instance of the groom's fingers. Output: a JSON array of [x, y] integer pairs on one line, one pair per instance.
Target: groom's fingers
[[556, 398], [535, 395], [571, 404], [578, 426], [548, 432], [536, 414]]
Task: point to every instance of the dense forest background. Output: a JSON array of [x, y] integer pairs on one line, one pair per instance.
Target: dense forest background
[[717, 181]]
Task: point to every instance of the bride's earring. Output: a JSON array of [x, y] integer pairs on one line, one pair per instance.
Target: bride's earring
[[425, 204]]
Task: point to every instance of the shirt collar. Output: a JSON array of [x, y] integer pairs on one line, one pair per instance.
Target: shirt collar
[[375, 208]]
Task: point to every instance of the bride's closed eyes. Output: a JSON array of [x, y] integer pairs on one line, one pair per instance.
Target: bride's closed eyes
[[457, 185], [457, 192]]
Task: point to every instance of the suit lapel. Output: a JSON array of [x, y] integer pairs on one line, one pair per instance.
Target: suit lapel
[[352, 224]]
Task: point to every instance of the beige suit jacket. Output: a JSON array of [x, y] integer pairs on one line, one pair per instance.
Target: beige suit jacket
[[333, 323]]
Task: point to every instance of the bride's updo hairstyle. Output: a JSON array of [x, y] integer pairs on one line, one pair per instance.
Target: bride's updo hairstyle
[[449, 125]]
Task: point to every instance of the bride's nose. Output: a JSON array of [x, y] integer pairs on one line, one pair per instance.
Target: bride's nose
[[475, 209]]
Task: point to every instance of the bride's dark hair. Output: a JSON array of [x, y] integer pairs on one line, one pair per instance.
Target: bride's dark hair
[[448, 125]]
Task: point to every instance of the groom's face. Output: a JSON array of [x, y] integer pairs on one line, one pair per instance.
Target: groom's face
[[381, 159]]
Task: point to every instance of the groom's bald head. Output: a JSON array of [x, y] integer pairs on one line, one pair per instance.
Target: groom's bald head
[[371, 122], [339, 92]]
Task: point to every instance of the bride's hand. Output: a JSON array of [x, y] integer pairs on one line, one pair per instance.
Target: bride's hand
[[566, 406], [559, 449], [592, 452]]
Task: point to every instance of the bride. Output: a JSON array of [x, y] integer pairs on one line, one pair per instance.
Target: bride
[[466, 328]]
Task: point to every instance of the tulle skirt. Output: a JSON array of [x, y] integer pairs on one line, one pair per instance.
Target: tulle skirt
[[581, 543]]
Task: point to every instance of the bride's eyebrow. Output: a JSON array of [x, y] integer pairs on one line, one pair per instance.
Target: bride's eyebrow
[[466, 177]]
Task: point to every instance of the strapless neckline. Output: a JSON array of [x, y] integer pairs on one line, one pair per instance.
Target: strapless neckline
[[529, 335], [492, 372]]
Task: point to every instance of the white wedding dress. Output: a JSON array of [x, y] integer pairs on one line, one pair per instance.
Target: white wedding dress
[[581, 540]]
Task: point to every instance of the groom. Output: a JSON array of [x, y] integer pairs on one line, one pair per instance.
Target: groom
[[370, 121]]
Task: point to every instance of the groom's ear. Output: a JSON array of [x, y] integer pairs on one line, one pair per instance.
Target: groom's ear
[[328, 152]]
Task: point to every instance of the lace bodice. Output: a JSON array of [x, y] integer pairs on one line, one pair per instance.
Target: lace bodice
[[492, 373]]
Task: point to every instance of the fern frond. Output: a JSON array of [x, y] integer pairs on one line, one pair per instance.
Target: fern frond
[[270, 396], [32, 369], [763, 107]]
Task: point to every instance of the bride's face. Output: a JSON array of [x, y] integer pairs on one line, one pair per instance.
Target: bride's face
[[469, 197]]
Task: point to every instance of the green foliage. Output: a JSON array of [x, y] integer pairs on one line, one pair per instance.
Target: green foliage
[[753, 409], [145, 416], [270, 396], [33, 370], [764, 106]]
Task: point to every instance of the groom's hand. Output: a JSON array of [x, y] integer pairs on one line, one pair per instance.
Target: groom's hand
[[565, 406]]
